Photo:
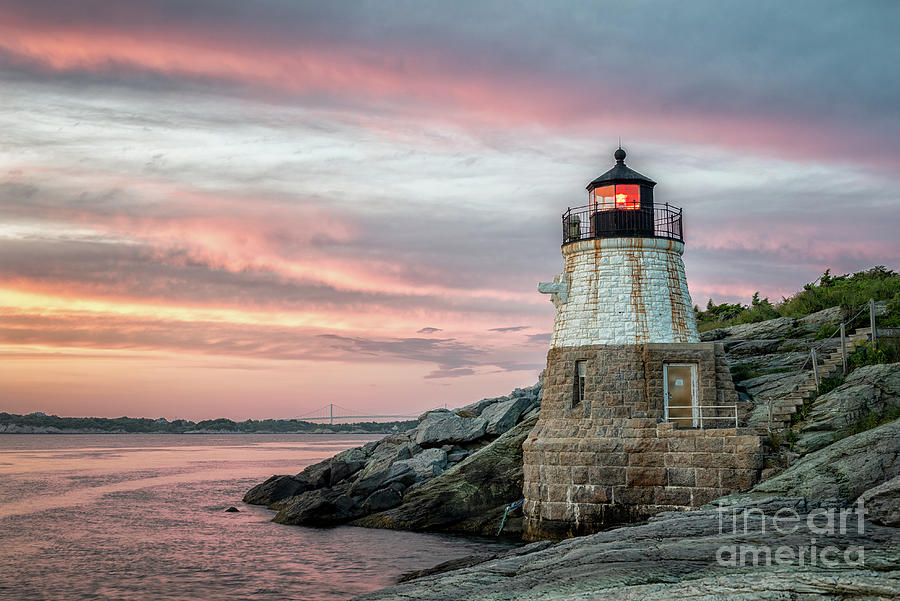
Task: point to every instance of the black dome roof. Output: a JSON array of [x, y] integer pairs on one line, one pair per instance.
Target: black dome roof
[[621, 174]]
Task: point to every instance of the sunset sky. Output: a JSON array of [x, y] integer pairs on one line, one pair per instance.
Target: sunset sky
[[251, 209]]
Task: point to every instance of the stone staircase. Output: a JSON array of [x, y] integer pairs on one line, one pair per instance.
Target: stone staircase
[[784, 407]]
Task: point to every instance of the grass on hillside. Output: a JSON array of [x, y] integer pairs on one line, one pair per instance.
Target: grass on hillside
[[850, 291]]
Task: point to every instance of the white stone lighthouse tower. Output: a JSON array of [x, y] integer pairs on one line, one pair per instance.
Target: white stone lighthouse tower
[[623, 281], [634, 406]]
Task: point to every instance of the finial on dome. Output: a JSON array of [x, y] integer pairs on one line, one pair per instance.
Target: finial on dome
[[619, 155]]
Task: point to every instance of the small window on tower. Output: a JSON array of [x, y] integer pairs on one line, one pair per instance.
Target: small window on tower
[[580, 377]]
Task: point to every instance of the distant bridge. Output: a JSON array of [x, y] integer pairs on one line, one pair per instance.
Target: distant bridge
[[331, 412]]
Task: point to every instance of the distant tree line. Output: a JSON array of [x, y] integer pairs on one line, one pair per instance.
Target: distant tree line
[[181, 426]]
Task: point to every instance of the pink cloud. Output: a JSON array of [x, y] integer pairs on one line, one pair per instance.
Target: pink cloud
[[431, 85]]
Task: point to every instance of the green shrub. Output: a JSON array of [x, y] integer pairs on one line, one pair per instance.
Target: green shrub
[[724, 315], [791, 437], [828, 384], [743, 372], [865, 354], [853, 290], [850, 291], [827, 330]]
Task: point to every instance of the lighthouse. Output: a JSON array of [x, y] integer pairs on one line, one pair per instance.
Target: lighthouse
[[638, 416]]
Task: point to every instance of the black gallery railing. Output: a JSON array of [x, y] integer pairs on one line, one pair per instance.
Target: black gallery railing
[[662, 221]]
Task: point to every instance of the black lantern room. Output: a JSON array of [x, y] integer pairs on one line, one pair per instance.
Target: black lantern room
[[620, 204], [621, 200]]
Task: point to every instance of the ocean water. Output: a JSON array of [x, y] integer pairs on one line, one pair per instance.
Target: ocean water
[[134, 516]]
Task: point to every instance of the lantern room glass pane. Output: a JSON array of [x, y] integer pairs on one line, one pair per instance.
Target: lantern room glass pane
[[628, 196], [619, 196], [603, 198]]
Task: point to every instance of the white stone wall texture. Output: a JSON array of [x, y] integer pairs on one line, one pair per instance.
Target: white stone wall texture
[[622, 291]]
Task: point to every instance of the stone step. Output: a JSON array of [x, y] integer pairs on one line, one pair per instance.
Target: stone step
[[794, 399], [791, 403]]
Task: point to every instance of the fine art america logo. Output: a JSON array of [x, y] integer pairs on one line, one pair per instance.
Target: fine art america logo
[[803, 540]]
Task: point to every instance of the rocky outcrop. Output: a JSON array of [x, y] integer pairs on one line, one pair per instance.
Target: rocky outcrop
[[765, 356], [438, 427], [845, 469], [275, 489], [867, 391], [883, 503], [455, 471], [469, 497], [692, 555]]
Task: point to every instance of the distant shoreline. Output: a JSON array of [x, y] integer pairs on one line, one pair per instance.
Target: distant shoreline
[[39, 423], [204, 433]]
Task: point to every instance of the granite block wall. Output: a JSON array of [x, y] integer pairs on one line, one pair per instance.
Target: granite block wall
[[611, 458]]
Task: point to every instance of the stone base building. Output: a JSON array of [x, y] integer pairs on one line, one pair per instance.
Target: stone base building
[[637, 416], [613, 457]]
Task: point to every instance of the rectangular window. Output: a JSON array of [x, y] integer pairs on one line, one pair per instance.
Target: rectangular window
[[580, 377]]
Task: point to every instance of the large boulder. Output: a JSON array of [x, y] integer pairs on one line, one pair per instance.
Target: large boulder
[[469, 497], [317, 475], [772, 385], [882, 503], [502, 416], [440, 427], [427, 464], [345, 464], [844, 470], [781, 327], [275, 489], [386, 451], [475, 409], [868, 391], [322, 507], [398, 472], [383, 499]]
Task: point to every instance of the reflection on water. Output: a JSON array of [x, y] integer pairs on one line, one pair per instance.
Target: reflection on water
[[141, 517]]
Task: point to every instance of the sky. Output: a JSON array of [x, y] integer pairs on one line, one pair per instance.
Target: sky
[[222, 208]]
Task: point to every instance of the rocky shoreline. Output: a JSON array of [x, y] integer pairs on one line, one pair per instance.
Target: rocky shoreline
[[457, 471], [686, 555], [454, 472]]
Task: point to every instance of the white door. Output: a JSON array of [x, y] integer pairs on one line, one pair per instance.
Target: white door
[[680, 390]]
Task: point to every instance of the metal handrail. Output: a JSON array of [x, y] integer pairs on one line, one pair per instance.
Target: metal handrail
[[584, 223], [700, 412], [813, 355], [844, 323]]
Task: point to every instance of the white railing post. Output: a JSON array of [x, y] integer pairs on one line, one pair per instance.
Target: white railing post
[[872, 320], [815, 363], [844, 348]]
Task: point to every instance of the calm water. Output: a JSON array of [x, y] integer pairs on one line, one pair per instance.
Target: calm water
[[141, 517]]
